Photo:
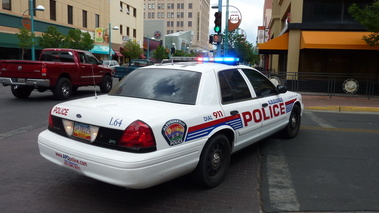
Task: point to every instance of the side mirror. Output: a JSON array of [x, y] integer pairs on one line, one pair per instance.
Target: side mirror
[[100, 61], [282, 88]]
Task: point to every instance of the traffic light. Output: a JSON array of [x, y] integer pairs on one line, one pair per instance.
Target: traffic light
[[217, 22], [217, 38]]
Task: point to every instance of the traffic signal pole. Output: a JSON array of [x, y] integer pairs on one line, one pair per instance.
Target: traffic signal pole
[[218, 43], [226, 42]]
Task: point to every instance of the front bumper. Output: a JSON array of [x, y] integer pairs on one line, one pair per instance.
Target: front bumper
[[25, 82], [131, 170]]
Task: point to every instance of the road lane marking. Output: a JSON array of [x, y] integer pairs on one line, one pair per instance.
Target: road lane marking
[[22, 130], [318, 120], [340, 129], [281, 191]]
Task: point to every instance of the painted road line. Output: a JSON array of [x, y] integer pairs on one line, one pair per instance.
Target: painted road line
[[340, 129]]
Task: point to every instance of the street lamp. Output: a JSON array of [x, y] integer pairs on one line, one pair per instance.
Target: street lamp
[[110, 39], [38, 8]]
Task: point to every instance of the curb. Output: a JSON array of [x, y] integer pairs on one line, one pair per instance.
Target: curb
[[345, 108]]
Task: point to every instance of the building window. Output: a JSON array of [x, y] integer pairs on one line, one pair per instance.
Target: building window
[[182, 5], [182, 23], [168, 23], [178, 6], [178, 15], [189, 14], [84, 16], [152, 15], [121, 9], [134, 33], [127, 31], [121, 29], [189, 23], [168, 6], [172, 6], [189, 5], [97, 20], [7, 4], [181, 15], [70, 14], [53, 10], [149, 15], [178, 23], [134, 12]]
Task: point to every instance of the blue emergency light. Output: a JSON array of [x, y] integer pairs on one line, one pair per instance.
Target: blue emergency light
[[221, 60]]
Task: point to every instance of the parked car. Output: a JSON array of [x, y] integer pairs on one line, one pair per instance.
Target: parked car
[[122, 71], [168, 120], [60, 70], [111, 63]]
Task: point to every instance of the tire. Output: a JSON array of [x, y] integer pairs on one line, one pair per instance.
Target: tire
[[63, 89], [21, 92], [214, 162], [106, 84], [293, 126]]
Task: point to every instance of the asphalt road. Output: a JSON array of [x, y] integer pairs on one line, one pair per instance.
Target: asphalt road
[[332, 166]]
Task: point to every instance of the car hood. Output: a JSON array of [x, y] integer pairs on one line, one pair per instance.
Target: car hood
[[117, 112]]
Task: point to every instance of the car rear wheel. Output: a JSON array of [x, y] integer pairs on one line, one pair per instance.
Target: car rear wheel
[[214, 162], [293, 126], [63, 89], [106, 84], [21, 92]]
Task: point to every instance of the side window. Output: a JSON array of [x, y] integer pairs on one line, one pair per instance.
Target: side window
[[82, 58], [262, 86], [91, 59], [233, 86]]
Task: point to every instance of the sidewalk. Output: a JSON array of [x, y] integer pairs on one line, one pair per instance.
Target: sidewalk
[[340, 103]]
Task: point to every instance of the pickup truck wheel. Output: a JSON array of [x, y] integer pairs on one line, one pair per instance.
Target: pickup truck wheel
[[106, 84], [293, 126], [63, 89], [21, 92], [214, 162]]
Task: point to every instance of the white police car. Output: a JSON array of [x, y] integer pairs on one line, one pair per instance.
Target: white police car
[[169, 120]]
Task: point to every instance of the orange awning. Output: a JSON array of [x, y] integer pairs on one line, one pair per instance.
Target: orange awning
[[279, 43], [334, 40]]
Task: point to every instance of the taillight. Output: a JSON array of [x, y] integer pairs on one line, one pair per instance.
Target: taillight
[[50, 120], [43, 70], [138, 135]]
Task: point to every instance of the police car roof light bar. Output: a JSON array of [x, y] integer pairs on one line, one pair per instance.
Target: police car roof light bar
[[222, 60]]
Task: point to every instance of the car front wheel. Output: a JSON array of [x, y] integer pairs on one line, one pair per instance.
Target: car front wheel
[[293, 126], [214, 162]]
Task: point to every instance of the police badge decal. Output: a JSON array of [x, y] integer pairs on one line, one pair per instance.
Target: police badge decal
[[174, 131]]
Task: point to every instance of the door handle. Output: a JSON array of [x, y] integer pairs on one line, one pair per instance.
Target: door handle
[[234, 112], [265, 105]]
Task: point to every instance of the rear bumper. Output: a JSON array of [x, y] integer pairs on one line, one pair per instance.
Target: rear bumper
[[124, 169], [25, 82]]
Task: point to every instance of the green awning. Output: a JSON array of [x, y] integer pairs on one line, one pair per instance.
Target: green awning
[[9, 40], [100, 49]]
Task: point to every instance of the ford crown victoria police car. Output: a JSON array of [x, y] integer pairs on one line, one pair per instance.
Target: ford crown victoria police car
[[169, 120]]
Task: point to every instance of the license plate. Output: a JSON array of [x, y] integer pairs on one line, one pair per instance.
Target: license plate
[[82, 131], [21, 80]]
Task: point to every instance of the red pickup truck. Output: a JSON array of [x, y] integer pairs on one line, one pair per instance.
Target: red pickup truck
[[60, 70]]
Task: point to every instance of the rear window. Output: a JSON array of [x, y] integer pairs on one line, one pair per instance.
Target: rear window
[[59, 56], [176, 86]]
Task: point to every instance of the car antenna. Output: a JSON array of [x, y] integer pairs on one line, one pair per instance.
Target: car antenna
[[94, 85]]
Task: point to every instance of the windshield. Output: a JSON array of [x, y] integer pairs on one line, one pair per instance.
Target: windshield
[[176, 86]]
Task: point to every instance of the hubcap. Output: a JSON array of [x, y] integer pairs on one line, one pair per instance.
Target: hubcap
[[216, 159]]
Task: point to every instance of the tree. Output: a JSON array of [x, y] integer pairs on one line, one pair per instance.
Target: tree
[[26, 41], [77, 39], [183, 53], [52, 38], [132, 50], [368, 17], [160, 53], [239, 47]]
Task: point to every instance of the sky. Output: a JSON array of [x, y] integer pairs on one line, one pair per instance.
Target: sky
[[252, 16]]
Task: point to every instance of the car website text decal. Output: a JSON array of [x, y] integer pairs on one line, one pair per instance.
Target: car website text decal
[[174, 131], [71, 161]]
